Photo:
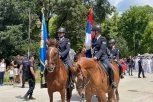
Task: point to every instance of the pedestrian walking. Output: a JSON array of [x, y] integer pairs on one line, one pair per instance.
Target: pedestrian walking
[[31, 78], [141, 70]]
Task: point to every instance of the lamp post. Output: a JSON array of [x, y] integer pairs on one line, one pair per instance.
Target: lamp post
[[29, 39]]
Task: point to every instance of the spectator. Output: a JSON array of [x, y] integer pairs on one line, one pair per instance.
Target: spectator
[[130, 65], [11, 75], [140, 64], [18, 71], [2, 71]]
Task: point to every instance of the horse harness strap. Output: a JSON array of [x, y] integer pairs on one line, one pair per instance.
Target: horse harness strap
[[84, 84]]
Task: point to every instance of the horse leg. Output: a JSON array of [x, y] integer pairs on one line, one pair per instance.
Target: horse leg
[[111, 95], [69, 94], [101, 96], [88, 96], [82, 94], [117, 94], [62, 92], [50, 96]]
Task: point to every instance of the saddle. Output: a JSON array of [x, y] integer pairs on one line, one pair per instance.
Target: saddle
[[104, 67]]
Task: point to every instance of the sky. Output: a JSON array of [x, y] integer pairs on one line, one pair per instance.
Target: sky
[[123, 5]]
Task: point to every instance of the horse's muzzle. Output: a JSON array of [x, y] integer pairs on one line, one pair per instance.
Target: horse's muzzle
[[50, 67]]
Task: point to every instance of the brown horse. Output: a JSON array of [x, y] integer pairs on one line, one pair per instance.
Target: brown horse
[[57, 74], [95, 80]]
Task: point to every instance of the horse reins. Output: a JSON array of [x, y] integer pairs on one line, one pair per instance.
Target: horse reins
[[83, 85]]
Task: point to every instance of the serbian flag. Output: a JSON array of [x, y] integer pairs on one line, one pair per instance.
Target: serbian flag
[[88, 37], [43, 46]]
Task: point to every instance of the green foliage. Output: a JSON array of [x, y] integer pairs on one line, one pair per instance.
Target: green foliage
[[11, 41], [132, 27], [14, 26]]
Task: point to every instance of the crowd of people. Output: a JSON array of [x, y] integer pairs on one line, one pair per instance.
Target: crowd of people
[[19, 69]]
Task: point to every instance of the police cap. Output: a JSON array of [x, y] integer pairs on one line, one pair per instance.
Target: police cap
[[61, 30], [96, 28], [112, 41]]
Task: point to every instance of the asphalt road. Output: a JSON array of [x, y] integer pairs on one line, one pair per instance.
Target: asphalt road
[[131, 89]]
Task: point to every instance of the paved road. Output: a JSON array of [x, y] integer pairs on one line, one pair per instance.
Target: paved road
[[131, 89]]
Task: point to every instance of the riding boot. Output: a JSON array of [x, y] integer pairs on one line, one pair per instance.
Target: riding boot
[[71, 83], [113, 84]]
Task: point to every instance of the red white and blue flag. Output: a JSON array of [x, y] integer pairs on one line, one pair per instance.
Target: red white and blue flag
[[88, 30]]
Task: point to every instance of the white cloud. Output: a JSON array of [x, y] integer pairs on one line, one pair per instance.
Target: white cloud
[[123, 5]]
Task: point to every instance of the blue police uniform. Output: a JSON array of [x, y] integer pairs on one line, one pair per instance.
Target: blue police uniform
[[99, 46], [140, 68], [115, 55], [64, 48], [25, 63], [31, 80]]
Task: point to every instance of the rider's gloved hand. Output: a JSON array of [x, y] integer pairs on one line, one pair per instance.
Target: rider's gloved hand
[[95, 58]]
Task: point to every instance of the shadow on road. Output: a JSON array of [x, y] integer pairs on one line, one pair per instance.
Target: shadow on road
[[133, 90], [76, 98], [19, 97]]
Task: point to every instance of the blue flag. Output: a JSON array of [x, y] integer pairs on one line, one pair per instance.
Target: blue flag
[[43, 46]]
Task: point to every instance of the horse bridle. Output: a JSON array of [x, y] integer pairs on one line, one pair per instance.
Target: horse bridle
[[84, 84], [51, 69]]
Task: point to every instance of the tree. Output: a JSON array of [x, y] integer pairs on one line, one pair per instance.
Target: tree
[[110, 29], [14, 26], [132, 26]]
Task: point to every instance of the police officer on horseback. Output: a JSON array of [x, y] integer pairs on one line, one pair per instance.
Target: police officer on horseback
[[64, 48], [99, 45], [114, 54]]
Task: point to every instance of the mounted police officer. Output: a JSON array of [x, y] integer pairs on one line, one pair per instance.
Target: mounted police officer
[[115, 54], [99, 45], [64, 48]]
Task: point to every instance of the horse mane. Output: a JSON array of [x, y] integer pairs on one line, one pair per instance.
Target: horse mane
[[52, 43]]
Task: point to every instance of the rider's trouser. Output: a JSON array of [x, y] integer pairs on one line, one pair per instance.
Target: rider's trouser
[[69, 65], [109, 70]]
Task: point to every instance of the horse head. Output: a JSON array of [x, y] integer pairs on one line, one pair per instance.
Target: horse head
[[80, 79], [52, 55]]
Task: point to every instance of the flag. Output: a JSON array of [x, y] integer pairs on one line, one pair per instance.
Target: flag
[[43, 46], [88, 30]]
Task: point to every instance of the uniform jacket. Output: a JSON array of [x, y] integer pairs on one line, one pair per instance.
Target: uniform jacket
[[100, 48], [115, 53], [64, 48]]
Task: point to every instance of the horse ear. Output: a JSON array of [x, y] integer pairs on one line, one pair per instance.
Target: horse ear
[[56, 43]]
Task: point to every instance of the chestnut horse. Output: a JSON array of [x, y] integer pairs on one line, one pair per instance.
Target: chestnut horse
[[95, 80], [57, 74]]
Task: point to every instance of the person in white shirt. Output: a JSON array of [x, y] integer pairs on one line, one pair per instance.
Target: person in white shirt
[[2, 71]]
